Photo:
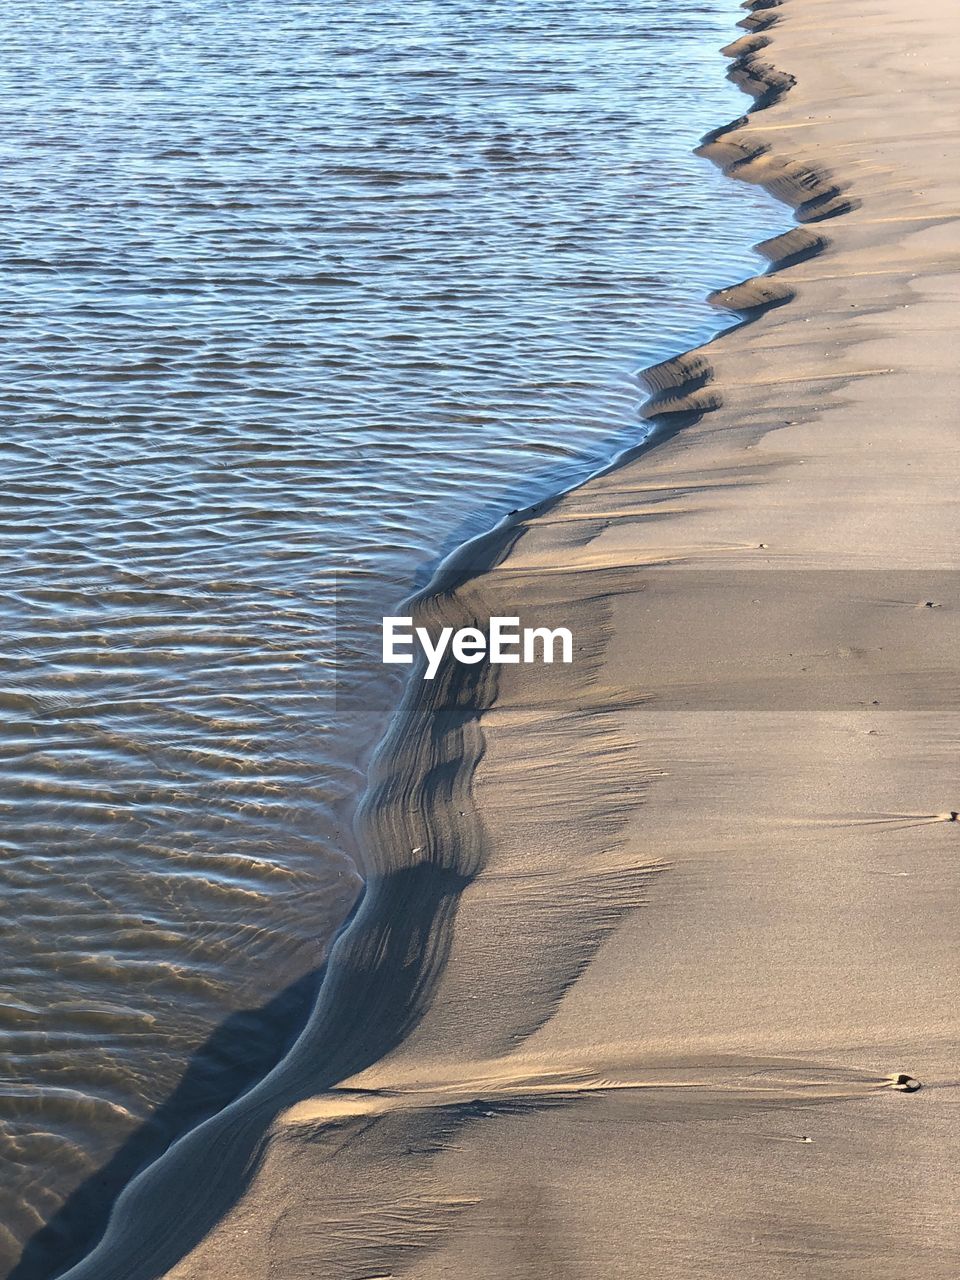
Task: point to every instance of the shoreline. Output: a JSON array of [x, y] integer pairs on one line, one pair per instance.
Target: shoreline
[[403, 925], [670, 385]]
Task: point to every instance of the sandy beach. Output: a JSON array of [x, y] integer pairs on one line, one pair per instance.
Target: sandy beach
[[652, 943]]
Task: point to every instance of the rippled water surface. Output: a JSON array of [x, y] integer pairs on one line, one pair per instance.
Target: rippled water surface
[[287, 288]]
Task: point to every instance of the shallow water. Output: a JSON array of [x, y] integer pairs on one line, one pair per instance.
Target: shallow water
[[288, 289]]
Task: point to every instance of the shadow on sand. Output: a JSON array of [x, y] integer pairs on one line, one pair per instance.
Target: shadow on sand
[[389, 960], [239, 1053]]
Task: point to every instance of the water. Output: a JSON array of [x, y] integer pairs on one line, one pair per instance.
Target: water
[[287, 289]]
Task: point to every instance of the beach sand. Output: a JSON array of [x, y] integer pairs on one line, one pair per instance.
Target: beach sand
[[650, 939]]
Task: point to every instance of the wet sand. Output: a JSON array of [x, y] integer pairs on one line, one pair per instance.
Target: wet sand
[[651, 944]]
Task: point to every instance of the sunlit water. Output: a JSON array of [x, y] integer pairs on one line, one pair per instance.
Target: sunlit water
[[287, 288]]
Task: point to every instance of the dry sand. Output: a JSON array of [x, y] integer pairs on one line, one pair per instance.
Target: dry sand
[[648, 939]]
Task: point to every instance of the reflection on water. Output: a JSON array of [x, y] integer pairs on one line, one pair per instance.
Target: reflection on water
[[287, 288]]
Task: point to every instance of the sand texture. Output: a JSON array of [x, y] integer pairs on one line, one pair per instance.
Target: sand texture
[[649, 939]]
